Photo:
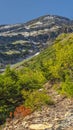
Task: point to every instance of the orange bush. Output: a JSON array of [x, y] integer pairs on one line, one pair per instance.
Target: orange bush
[[11, 115], [20, 111]]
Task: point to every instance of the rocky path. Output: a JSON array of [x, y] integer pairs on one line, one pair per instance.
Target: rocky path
[[55, 117]]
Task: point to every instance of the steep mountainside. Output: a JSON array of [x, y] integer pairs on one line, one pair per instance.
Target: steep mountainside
[[41, 90], [20, 41]]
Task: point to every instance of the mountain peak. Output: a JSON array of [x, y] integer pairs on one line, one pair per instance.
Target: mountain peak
[[20, 41]]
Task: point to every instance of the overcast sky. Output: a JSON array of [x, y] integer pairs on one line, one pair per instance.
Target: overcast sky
[[19, 11]]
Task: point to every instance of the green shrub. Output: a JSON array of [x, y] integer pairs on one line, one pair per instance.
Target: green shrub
[[67, 87], [36, 99]]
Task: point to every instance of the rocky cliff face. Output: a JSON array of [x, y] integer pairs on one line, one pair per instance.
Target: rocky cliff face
[[20, 41]]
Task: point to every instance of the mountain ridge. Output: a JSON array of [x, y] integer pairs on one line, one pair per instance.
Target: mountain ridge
[[60, 16], [19, 41]]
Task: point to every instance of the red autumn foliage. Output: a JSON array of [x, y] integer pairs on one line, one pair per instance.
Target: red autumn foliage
[[20, 111]]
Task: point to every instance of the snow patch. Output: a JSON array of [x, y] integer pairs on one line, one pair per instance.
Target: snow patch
[[48, 18], [10, 26], [38, 23]]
